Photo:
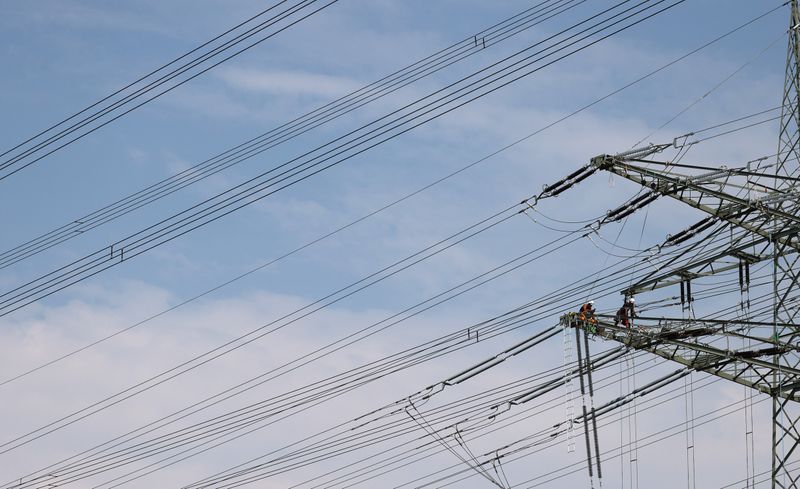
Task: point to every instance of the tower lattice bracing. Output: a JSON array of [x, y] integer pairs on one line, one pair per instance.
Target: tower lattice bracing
[[786, 414], [755, 210]]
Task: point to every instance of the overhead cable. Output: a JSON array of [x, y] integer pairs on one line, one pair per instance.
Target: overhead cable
[[440, 60], [116, 105], [262, 186]]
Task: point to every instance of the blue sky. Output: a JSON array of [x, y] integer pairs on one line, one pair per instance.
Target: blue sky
[[62, 55]]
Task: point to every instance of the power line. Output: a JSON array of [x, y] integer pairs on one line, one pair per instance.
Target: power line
[[611, 286], [262, 186], [438, 61], [40, 150], [402, 199], [685, 253]]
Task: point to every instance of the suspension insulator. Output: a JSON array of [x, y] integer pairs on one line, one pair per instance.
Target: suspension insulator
[[741, 275], [683, 295]]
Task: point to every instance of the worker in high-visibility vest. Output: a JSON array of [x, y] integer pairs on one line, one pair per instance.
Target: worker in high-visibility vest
[[587, 312]]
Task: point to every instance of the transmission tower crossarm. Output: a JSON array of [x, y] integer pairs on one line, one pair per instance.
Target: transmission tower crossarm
[[692, 191], [713, 264], [681, 341], [669, 182], [720, 322]]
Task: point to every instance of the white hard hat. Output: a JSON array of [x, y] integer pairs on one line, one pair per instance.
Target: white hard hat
[[591, 302], [632, 299]]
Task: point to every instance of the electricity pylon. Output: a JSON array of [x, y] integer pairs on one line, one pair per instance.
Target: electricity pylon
[[760, 204]]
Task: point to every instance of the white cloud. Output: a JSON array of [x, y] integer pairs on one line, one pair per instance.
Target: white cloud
[[85, 16], [44, 333], [287, 83]]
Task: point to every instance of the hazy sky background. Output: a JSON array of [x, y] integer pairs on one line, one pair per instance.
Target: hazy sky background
[[59, 56]]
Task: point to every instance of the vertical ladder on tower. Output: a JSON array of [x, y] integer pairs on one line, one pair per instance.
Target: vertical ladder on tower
[[569, 401]]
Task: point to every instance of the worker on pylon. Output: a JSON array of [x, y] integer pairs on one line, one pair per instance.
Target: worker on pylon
[[625, 313], [631, 305], [587, 312], [622, 316]]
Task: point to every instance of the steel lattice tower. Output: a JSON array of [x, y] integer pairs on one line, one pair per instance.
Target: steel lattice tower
[[785, 419], [767, 223]]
